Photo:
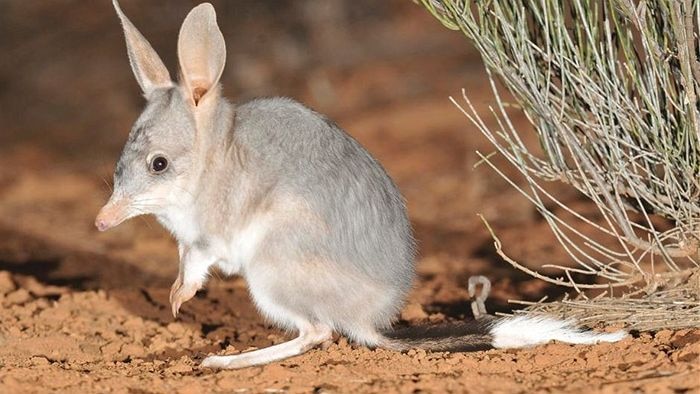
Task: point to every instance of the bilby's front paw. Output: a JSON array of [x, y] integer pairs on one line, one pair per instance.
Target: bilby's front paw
[[182, 292]]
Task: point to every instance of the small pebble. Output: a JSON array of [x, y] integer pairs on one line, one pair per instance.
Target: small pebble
[[18, 297], [6, 283]]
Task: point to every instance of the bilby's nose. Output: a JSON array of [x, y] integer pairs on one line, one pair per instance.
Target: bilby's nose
[[101, 224], [110, 215]]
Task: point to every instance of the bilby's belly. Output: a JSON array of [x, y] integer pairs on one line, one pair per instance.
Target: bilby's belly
[[241, 247]]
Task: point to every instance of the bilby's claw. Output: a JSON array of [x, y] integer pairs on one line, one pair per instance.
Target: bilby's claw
[[180, 293], [176, 285], [175, 308]]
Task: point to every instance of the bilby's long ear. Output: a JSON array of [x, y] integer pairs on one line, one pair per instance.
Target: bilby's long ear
[[201, 51], [149, 70]]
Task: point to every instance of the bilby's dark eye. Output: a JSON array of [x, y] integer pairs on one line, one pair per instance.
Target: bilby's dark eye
[[159, 164]]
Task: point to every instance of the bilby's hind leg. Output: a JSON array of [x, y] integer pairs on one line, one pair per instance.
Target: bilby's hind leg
[[309, 337]]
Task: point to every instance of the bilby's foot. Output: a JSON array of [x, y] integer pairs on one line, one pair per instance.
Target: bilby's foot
[[308, 338], [181, 292]]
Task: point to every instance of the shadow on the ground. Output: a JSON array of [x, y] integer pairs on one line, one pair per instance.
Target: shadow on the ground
[[76, 269], [480, 258]]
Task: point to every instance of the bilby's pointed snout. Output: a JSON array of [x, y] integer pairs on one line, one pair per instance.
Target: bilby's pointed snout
[[111, 215], [101, 223]]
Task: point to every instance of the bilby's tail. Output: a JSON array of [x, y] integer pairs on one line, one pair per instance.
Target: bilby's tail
[[493, 332]]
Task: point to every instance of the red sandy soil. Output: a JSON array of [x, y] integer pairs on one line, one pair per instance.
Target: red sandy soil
[[88, 312]]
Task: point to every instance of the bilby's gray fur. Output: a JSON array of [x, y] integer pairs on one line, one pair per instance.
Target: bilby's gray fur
[[277, 193]]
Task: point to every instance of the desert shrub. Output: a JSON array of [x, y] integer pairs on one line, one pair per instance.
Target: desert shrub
[[611, 89]]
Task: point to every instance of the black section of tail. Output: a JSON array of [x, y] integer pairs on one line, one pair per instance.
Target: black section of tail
[[467, 336]]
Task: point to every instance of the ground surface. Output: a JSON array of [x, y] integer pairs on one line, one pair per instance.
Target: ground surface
[[88, 312]]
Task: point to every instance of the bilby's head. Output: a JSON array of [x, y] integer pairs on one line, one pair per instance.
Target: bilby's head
[[159, 159]]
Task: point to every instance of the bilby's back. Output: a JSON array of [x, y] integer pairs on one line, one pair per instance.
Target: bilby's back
[[299, 152]]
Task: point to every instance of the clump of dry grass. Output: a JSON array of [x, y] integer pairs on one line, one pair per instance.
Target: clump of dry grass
[[674, 306], [612, 90]]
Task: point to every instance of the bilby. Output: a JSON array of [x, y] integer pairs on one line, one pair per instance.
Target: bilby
[[279, 194]]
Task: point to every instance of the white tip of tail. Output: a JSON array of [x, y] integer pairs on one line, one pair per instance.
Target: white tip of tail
[[526, 331]]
